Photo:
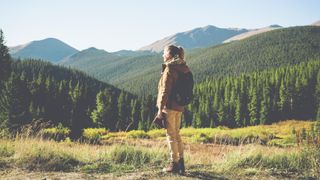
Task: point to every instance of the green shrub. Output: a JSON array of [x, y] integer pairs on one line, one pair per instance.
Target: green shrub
[[293, 131], [4, 133], [98, 167], [283, 142], [6, 150], [4, 164], [201, 138], [94, 135], [304, 133], [156, 133], [138, 134], [57, 133]]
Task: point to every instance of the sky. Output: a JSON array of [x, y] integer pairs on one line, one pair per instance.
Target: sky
[[114, 25]]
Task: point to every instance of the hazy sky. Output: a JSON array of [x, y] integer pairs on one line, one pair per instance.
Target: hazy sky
[[130, 24]]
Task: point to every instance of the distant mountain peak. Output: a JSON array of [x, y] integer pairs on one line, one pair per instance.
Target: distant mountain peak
[[51, 49], [253, 32], [49, 39], [93, 49], [200, 37], [317, 23], [275, 26]]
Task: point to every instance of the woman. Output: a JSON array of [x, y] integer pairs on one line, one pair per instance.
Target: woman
[[174, 62]]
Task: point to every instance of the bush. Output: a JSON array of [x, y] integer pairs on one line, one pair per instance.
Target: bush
[[94, 135], [283, 142], [98, 167], [114, 135], [4, 133], [202, 138], [6, 150], [138, 134], [57, 133], [156, 133]]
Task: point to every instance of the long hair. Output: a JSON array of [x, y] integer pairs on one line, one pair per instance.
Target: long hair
[[175, 51]]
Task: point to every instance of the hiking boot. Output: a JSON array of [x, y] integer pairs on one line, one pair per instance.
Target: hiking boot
[[182, 169], [173, 167]]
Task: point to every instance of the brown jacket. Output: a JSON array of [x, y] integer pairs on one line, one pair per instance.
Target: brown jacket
[[168, 79]]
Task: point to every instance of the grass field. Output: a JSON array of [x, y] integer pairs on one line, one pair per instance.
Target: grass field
[[276, 151]]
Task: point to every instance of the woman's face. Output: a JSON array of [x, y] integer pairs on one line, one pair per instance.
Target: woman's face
[[166, 56]]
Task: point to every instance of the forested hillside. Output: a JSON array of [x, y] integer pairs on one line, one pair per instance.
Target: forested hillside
[[272, 49], [258, 98], [38, 90], [276, 77], [111, 67]]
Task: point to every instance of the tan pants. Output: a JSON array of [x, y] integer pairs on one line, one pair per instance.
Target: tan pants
[[173, 137]]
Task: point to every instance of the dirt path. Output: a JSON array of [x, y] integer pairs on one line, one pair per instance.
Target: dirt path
[[25, 175]]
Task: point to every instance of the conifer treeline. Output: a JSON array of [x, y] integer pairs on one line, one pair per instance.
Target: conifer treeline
[[291, 92], [39, 90]]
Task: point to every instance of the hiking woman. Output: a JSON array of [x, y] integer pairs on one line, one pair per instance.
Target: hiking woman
[[168, 107]]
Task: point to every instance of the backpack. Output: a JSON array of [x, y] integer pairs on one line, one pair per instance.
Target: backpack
[[182, 91]]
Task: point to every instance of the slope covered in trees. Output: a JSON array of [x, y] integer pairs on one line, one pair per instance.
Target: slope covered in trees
[[258, 98], [272, 49], [34, 92], [38, 90]]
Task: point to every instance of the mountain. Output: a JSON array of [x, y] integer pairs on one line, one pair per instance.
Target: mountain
[[88, 56], [281, 47], [110, 67], [252, 32], [129, 53], [50, 49], [316, 23], [196, 38]]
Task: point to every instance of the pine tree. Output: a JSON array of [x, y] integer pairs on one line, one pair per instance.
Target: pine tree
[[265, 104], [5, 62], [238, 118], [144, 116], [253, 106], [98, 116], [221, 114], [135, 113], [284, 103], [317, 96], [123, 112], [75, 123], [15, 105]]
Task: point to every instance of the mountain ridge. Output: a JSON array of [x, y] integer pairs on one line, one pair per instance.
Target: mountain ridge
[[50, 49], [196, 38]]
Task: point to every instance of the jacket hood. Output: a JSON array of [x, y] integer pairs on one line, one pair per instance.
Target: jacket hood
[[175, 60], [176, 63]]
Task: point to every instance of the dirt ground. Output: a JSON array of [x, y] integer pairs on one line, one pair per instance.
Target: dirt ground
[[26, 175]]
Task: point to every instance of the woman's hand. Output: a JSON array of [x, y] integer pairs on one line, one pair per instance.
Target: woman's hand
[[160, 114]]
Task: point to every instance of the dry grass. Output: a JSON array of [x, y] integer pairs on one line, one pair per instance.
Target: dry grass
[[129, 156]]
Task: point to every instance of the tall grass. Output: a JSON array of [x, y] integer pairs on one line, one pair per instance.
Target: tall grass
[[305, 161], [45, 155], [137, 156]]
